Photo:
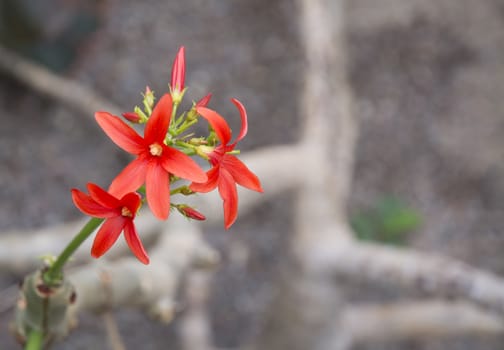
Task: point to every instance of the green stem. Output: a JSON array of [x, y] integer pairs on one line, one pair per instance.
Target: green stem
[[35, 339], [186, 126], [174, 113], [54, 274], [186, 146], [180, 189]]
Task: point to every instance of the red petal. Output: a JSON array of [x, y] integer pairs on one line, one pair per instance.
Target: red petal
[[107, 235], [181, 165], [178, 71], [244, 123], [134, 243], [213, 176], [227, 191], [157, 125], [101, 196], [158, 190], [90, 207], [217, 122], [119, 132], [240, 173], [130, 179], [131, 201]]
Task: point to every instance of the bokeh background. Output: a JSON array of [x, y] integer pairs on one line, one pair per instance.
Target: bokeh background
[[428, 83]]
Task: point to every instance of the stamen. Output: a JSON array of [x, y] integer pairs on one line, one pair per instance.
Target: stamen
[[126, 212], [156, 149]]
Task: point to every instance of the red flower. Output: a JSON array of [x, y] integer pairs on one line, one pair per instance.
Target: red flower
[[227, 170], [119, 215], [155, 161], [178, 75]]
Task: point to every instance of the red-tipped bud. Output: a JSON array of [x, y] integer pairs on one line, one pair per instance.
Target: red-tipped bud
[[178, 71], [192, 114], [191, 213], [204, 101], [132, 117], [148, 99]]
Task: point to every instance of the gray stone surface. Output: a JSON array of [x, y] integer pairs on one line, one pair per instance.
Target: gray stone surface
[[428, 77]]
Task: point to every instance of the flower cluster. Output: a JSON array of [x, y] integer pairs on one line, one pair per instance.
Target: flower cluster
[[163, 159]]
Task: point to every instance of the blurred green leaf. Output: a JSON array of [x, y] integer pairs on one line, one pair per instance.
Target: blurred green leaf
[[388, 221]]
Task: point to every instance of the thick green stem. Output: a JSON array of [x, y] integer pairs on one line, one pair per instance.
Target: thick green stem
[[54, 274], [35, 340]]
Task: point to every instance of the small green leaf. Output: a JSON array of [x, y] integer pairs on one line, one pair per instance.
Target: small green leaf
[[388, 221]]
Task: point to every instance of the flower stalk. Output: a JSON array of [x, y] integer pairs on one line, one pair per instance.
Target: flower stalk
[[35, 340], [54, 274]]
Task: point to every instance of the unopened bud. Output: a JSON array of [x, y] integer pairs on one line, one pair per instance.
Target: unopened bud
[[148, 98], [190, 213], [204, 101], [186, 191], [197, 141], [177, 85], [193, 114], [132, 117]]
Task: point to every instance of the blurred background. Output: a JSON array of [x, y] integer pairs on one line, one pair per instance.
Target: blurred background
[[428, 84]]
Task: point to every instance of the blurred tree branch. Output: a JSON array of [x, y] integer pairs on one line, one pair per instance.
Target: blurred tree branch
[[42, 80], [111, 284], [417, 320]]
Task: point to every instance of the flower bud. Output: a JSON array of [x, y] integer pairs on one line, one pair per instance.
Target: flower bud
[[204, 101], [192, 114], [190, 213], [148, 98], [132, 117], [178, 76], [196, 141], [186, 191]]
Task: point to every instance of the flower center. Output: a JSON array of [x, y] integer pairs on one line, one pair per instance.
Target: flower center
[[156, 149], [126, 212]]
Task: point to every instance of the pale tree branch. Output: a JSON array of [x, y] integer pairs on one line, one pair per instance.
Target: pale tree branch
[[114, 337], [126, 282], [195, 329], [47, 83], [306, 312], [417, 320], [274, 166], [326, 110], [435, 275], [17, 256], [329, 127]]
